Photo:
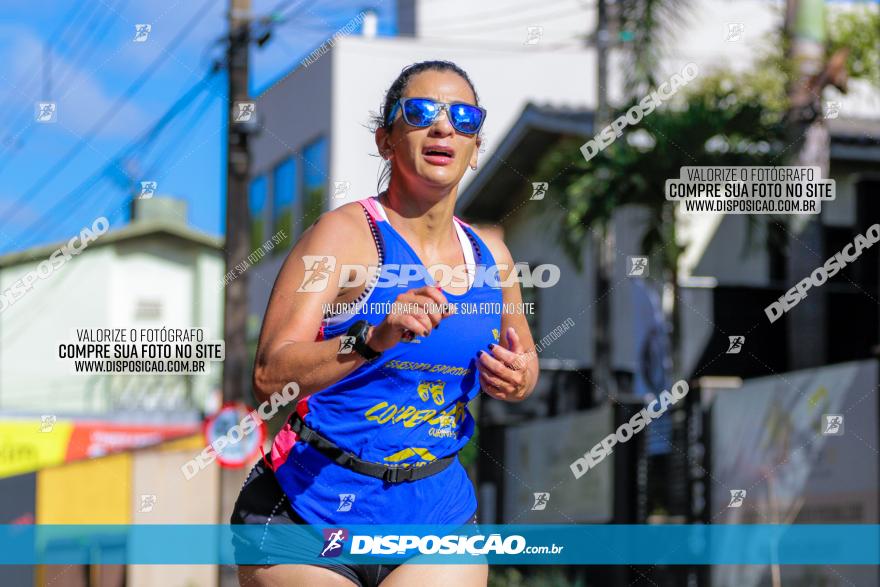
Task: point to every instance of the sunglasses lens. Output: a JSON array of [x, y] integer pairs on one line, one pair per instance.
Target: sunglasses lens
[[419, 112], [422, 112], [466, 118]]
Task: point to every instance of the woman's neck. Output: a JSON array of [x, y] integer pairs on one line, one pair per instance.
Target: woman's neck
[[428, 221]]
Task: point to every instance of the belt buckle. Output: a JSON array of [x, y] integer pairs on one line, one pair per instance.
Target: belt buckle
[[393, 474]]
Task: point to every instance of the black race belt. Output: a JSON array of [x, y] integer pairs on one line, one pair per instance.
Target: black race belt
[[388, 473]]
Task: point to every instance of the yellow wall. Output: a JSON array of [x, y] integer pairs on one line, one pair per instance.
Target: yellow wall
[[108, 490], [96, 491], [23, 448]]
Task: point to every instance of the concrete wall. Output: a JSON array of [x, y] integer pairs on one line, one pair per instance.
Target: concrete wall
[[156, 473]]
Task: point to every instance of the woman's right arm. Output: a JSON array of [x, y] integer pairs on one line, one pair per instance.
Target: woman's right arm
[[287, 350]]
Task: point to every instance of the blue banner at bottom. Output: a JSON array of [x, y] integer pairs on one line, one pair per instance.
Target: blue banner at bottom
[[801, 544]]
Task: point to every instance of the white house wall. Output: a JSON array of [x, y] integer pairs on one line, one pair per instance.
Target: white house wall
[[101, 289], [31, 375], [571, 297]]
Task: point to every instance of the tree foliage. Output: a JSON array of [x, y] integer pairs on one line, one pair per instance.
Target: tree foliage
[[726, 119], [859, 31]]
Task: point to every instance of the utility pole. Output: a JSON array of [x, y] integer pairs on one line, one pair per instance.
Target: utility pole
[[606, 389], [237, 242], [237, 215], [808, 134], [604, 243]]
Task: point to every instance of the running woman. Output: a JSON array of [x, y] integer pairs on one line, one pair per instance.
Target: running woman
[[376, 437]]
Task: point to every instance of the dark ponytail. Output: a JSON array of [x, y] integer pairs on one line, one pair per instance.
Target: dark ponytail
[[396, 91]]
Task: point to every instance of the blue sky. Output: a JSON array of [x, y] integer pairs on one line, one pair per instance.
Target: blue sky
[[92, 62]]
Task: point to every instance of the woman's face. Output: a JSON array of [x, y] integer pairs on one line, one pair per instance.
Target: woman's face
[[408, 148]]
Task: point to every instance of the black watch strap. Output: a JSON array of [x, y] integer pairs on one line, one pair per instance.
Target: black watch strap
[[359, 331]]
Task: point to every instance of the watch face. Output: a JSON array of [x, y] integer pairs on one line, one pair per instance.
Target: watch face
[[356, 337], [359, 330]]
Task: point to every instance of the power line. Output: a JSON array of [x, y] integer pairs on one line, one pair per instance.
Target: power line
[[75, 196], [67, 23], [115, 165], [279, 8], [186, 132], [11, 104], [282, 18], [117, 106], [89, 46]]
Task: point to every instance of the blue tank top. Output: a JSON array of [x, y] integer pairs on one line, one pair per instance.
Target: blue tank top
[[409, 406]]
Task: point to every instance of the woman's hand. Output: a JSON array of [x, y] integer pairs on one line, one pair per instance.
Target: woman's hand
[[417, 311], [503, 373]]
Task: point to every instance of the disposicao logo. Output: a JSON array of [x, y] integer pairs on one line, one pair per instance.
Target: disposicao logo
[[334, 542]]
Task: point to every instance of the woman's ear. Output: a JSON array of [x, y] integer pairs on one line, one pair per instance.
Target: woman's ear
[[383, 143], [475, 153]]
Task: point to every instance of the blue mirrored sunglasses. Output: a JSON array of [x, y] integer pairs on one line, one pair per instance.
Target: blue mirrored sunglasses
[[421, 112]]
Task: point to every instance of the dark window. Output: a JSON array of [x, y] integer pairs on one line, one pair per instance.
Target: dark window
[[257, 207], [314, 181], [283, 201]]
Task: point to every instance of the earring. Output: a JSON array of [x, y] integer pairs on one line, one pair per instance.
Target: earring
[[474, 167]]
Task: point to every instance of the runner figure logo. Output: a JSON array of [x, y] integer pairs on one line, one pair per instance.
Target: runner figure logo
[[735, 32], [340, 189], [736, 343], [832, 424], [47, 423], [334, 542], [539, 189], [147, 503], [346, 345], [318, 270], [245, 112], [736, 498], [346, 501], [534, 34], [141, 32], [148, 189], [46, 112], [830, 110], [541, 501], [638, 267]]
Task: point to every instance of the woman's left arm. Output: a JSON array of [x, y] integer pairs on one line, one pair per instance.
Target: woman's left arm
[[510, 370]]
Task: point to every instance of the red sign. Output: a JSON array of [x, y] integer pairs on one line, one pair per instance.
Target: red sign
[[96, 439], [236, 433]]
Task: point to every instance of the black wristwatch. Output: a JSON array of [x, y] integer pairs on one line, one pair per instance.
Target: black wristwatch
[[359, 331]]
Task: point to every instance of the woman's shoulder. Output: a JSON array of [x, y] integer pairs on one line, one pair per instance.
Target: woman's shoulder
[[493, 237], [345, 221], [343, 228]]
